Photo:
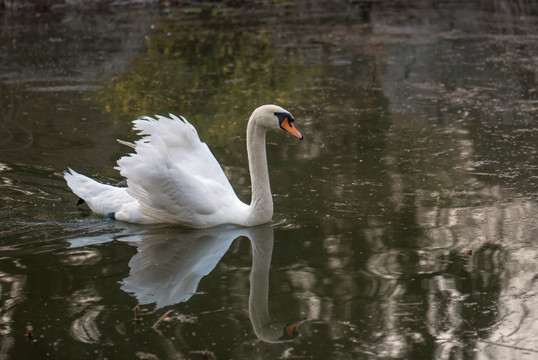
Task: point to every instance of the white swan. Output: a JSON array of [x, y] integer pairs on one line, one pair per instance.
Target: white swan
[[174, 178]]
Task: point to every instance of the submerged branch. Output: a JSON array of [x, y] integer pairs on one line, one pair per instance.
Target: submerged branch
[[508, 346]]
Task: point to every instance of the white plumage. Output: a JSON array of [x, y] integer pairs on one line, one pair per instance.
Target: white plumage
[[174, 178]]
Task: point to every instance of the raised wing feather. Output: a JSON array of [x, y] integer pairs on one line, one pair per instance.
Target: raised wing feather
[[174, 176]]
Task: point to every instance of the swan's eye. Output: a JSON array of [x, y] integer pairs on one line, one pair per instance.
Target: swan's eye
[[283, 116]]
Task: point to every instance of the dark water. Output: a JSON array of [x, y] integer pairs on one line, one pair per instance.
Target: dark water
[[405, 222]]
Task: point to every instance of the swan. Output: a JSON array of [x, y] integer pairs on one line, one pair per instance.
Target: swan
[[172, 177]]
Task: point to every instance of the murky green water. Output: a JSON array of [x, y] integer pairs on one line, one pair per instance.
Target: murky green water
[[405, 222]]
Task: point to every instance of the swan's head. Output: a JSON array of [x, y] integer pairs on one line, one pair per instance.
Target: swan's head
[[275, 117]]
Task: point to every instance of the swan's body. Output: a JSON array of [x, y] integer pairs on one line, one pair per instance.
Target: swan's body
[[174, 178]]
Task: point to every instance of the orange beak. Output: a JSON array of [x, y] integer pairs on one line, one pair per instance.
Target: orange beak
[[288, 126]]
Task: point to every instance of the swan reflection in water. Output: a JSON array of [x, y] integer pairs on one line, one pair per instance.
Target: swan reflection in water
[[168, 267]]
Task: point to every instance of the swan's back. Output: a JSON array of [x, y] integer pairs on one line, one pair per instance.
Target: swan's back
[[175, 178]]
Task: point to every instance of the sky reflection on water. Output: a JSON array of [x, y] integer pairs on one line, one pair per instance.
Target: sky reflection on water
[[405, 222]]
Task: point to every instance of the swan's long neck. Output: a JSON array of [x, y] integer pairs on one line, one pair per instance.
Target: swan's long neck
[[261, 205]]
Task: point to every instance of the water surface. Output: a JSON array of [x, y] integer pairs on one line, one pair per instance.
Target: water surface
[[404, 225]]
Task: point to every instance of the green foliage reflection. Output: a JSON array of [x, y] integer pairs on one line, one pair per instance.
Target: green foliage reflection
[[214, 74]]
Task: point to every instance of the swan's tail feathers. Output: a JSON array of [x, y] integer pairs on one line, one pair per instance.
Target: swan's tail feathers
[[101, 198]]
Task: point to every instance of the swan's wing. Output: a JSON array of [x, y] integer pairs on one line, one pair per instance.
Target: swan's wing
[[174, 176]]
